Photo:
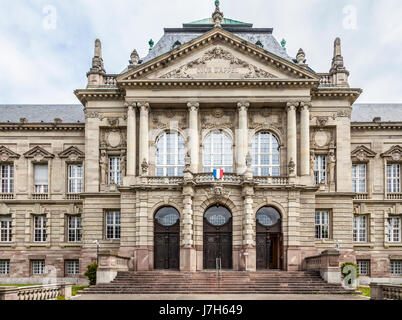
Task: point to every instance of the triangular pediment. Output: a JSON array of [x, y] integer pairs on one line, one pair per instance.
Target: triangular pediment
[[362, 153], [394, 153], [38, 153], [72, 153], [218, 54], [6, 154]]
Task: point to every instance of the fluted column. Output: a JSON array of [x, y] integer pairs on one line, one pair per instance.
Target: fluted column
[[131, 150], [304, 139], [242, 137], [194, 136], [292, 136], [144, 137]]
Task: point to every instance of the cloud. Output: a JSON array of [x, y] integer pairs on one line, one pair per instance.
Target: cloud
[[39, 65]]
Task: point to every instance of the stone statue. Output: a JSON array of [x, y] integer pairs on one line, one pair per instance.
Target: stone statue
[[144, 166], [217, 16], [292, 167], [249, 160], [331, 165], [103, 167]]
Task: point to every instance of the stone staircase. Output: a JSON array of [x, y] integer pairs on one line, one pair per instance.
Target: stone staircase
[[206, 282]]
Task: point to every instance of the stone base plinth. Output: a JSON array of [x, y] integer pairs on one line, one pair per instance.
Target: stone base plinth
[[188, 259]]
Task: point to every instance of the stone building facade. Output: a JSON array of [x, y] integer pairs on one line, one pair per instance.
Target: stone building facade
[[132, 168]]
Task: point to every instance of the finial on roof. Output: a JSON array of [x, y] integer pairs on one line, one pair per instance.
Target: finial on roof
[[217, 16], [151, 44], [97, 61], [283, 44], [338, 70], [301, 57], [134, 59]]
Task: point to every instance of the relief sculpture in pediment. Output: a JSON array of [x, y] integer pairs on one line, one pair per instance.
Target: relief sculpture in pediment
[[217, 118]]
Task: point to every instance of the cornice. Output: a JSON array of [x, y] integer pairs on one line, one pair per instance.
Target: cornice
[[85, 95], [376, 126], [351, 93], [42, 127]]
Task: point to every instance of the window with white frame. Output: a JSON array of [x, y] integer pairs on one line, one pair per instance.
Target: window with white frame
[[7, 178], [170, 154], [74, 178], [217, 152], [396, 267], [113, 225], [393, 178], [5, 229], [114, 170], [72, 267], [41, 178], [320, 169], [4, 267], [40, 232], [74, 229], [38, 267], [359, 178], [360, 228], [363, 267], [394, 229], [322, 225], [265, 154]]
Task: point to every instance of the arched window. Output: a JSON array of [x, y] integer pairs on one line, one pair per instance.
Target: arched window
[[170, 154], [268, 216], [167, 216], [217, 152], [265, 154], [217, 215]]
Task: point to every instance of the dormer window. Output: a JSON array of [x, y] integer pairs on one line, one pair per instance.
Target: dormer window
[[176, 44], [258, 43]]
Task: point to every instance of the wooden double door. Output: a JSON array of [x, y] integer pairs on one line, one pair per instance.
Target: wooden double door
[[217, 244], [268, 248], [167, 246]]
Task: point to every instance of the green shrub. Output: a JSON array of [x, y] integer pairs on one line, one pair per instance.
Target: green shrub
[[61, 297], [91, 273], [345, 273]]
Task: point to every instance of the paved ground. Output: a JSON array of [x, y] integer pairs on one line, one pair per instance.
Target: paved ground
[[217, 297]]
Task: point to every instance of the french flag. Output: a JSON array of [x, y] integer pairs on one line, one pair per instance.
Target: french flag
[[218, 173]]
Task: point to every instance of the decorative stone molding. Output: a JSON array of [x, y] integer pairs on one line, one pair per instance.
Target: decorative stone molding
[[209, 120], [38, 154], [8, 155], [143, 106], [4, 209], [169, 119], [393, 154], [243, 105], [362, 154], [321, 121], [193, 106], [72, 154], [113, 139], [218, 190]]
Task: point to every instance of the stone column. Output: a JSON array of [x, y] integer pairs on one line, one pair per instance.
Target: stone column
[[304, 139], [144, 137], [242, 138], [131, 143], [292, 135], [194, 136], [248, 252], [343, 150]]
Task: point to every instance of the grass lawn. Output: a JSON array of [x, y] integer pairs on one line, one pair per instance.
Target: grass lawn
[[365, 291], [75, 289]]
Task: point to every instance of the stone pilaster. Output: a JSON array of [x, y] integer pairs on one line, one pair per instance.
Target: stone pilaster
[[242, 138], [194, 136], [144, 137], [248, 252], [292, 135], [304, 139], [142, 257], [131, 138], [343, 159], [292, 242], [92, 153]]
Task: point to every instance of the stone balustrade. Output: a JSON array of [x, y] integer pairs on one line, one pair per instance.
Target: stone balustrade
[[327, 263], [6, 196], [209, 177], [361, 196], [164, 180], [110, 81], [272, 180], [394, 196], [325, 80], [41, 292], [379, 291], [110, 262]]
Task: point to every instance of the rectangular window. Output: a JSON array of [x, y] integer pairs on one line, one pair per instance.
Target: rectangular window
[[396, 267], [394, 229], [74, 229], [360, 228], [113, 225], [359, 178], [41, 178], [364, 267], [7, 178], [114, 170], [4, 267], [322, 225], [5, 229], [38, 267], [72, 267], [75, 178], [320, 169], [393, 178], [40, 229]]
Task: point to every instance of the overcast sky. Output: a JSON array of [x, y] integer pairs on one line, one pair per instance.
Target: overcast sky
[[46, 46]]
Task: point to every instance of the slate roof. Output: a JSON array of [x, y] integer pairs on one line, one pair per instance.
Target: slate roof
[[73, 113], [68, 113], [367, 112]]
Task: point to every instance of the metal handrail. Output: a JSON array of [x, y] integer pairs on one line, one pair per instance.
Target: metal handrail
[[218, 268]]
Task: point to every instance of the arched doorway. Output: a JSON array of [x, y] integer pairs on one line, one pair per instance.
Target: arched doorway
[[269, 238], [167, 238], [217, 237]]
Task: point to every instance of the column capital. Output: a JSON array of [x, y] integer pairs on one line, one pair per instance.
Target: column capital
[[129, 104], [143, 106], [243, 105], [305, 105], [291, 106], [193, 106]]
